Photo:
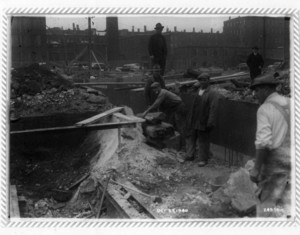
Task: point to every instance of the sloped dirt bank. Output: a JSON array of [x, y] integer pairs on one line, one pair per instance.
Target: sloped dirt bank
[[185, 190]]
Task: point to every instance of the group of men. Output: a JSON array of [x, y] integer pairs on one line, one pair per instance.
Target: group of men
[[272, 170]]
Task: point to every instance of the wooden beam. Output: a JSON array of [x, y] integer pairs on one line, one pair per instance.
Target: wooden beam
[[127, 118], [239, 75], [108, 83], [99, 116], [102, 126], [14, 203]]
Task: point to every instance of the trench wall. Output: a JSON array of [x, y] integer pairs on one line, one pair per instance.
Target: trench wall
[[236, 123]]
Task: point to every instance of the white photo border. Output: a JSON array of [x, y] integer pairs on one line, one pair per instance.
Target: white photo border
[[93, 223]]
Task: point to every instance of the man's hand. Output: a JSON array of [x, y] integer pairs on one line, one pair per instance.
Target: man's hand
[[254, 175]]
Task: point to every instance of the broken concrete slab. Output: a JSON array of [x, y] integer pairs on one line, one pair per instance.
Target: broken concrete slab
[[241, 190], [87, 186]]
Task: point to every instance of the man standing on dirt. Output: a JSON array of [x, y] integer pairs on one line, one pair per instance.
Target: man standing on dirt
[[255, 63], [201, 120], [272, 168], [170, 104], [157, 48], [149, 94]]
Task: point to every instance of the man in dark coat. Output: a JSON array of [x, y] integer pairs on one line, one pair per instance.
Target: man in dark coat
[[157, 48], [255, 63], [201, 120], [149, 94]]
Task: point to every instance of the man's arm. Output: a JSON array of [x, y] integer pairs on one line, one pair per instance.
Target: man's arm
[[213, 109], [263, 141], [260, 157], [156, 103]]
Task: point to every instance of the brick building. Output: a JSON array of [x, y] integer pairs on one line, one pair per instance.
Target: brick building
[[270, 34], [28, 40]]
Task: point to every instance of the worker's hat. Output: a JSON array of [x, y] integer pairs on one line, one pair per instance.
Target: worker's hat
[[158, 26], [155, 85], [265, 79], [203, 77]]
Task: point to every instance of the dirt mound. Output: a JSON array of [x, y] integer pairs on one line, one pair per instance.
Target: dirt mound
[[36, 91], [35, 79]]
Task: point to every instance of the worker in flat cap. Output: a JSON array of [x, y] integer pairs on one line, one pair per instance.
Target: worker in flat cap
[[157, 48], [150, 96], [272, 170], [201, 120], [255, 63], [172, 105]]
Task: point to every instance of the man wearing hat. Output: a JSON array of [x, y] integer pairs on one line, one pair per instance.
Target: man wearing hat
[[149, 94], [201, 120], [170, 104], [157, 48], [255, 63], [273, 158]]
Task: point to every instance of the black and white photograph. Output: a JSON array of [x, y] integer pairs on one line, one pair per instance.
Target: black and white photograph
[[117, 116]]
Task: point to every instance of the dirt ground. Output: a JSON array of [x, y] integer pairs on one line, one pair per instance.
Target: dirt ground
[[43, 173]]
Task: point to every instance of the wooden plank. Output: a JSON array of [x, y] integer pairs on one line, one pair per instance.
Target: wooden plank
[[99, 116], [127, 118], [102, 126], [239, 75], [14, 203], [108, 83]]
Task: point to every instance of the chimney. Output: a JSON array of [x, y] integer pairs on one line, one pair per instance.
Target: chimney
[[77, 27], [211, 30], [145, 28], [132, 29], [229, 17], [138, 30], [74, 27], [193, 29], [184, 30], [175, 29], [201, 31]]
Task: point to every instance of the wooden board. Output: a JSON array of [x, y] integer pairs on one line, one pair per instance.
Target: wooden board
[[14, 211], [102, 126], [99, 116], [240, 75], [127, 118]]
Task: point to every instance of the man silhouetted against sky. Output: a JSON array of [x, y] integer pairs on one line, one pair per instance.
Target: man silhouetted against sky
[[157, 48]]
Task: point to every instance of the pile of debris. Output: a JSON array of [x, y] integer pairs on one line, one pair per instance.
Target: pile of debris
[[37, 91]]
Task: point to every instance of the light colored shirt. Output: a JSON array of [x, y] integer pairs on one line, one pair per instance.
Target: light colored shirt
[[271, 124]]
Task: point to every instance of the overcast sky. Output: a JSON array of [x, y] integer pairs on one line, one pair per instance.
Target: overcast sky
[[126, 22]]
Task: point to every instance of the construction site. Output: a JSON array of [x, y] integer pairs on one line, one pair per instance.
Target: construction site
[[80, 148]]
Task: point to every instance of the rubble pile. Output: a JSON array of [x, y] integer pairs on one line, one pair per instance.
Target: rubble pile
[[38, 91], [241, 95]]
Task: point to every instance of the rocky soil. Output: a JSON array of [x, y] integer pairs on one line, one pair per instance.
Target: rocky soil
[[37, 91]]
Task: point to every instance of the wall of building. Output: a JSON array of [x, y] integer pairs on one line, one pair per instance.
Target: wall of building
[[28, 40]]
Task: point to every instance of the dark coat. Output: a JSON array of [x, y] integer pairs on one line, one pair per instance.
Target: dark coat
[[203, 114], [157, 46], [254, 62]]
